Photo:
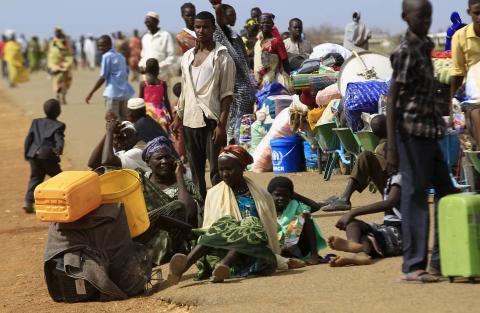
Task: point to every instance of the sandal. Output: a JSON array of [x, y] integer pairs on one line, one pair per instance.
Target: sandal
[[337, 205], [419, 277], [220, 273], [176, 268]]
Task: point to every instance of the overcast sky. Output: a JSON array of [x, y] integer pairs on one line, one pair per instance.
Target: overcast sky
[[39, 17]]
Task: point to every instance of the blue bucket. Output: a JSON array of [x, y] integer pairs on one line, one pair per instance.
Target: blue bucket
[[287, 154]]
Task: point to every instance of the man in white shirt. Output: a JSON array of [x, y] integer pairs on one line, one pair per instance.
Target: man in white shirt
[[356, 34], [157, 44], [208, 78], [296, 45]]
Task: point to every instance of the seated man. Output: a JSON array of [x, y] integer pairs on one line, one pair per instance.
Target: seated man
[[370, 167], [146, 127], [119, 148], [371, 240]]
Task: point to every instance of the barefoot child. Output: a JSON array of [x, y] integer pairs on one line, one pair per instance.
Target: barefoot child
[[43, 147], [299, 235], [371, 240], [155, 93]]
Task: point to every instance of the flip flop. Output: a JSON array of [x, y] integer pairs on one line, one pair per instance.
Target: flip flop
[[220, 273], [422, 277], [337, 205], [176, 267]]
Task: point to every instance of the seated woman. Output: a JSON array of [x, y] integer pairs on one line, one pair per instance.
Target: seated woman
[[173, 202], [270, 56], [298, 233], [240, 224]]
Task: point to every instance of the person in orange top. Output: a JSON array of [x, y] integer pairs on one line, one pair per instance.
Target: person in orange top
[[187, 39], [135, 45]]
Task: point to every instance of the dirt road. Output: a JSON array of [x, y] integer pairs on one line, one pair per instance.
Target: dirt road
[[373, 288]]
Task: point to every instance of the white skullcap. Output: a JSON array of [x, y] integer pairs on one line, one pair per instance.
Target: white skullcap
[[135, 103], [154, 15], [127, 125], [9, 33]]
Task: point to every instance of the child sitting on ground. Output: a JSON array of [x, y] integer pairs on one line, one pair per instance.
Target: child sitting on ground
[[155, 93], [43, 147], [371, 240], [299, 235]]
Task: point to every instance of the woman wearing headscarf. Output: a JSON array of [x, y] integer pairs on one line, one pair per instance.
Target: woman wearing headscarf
[[60, 64], [173, 202], [244, 90], [240, 226], [12, 54], [271, 58]]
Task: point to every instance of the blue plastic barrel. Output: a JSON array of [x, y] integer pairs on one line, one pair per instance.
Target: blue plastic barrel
[[311, 157], [287, 154]]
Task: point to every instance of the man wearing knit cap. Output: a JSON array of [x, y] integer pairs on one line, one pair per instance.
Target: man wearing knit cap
[[147, 129], [157, 44]]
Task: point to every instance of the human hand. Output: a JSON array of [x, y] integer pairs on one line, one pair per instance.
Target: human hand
[[219, 135], [112, 126], [344, 221], [176, 124], [88, 98]]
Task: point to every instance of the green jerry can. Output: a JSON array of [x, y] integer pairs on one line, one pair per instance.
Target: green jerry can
[[459, 236]]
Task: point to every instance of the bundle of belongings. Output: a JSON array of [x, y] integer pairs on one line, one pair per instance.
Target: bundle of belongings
[[90, 254]]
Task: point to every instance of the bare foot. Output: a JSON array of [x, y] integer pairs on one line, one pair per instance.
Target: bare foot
[[357, 259], [340, 244]]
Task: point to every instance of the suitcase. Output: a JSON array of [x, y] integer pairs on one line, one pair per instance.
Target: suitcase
[[459, 236], [68, 196]]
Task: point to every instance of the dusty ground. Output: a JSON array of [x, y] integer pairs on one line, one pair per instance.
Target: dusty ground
[[372, 288]]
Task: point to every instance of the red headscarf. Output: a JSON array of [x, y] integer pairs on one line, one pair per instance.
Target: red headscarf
[[238, 153]]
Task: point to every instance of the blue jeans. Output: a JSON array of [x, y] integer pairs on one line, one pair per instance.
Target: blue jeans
[[421, 166]]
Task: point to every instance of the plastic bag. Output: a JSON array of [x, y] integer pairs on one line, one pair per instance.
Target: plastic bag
[[362, 97], [272, 89]]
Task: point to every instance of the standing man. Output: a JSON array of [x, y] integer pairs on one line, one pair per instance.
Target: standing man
[[356, 34], [157, 44], [465, 54], [296, 45], [90, 51], [208, 78], [186, 39], [114, 72]]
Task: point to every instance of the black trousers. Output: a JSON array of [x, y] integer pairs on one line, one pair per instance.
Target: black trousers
[[421, 166], [200, 147], [38, 170]]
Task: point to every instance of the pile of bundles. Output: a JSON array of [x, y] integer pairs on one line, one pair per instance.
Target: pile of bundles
[[90, 254]]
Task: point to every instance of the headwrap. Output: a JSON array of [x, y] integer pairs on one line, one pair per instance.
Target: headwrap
[[238, 153], [251, 22], [161, 143]]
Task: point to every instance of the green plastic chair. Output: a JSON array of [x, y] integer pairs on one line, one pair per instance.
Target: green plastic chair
[[474, 157], [367, 140], [349, 141], [328, 142]]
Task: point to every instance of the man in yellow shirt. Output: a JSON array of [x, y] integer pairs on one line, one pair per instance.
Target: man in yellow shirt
[[466, 46], [465, 54]]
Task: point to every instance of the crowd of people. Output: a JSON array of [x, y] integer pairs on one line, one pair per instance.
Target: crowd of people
[[238, 228]]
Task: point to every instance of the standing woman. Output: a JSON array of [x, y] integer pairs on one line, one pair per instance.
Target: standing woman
[[60, 63], [12, 54], [244, 90], [187, 39], [271, 58]]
